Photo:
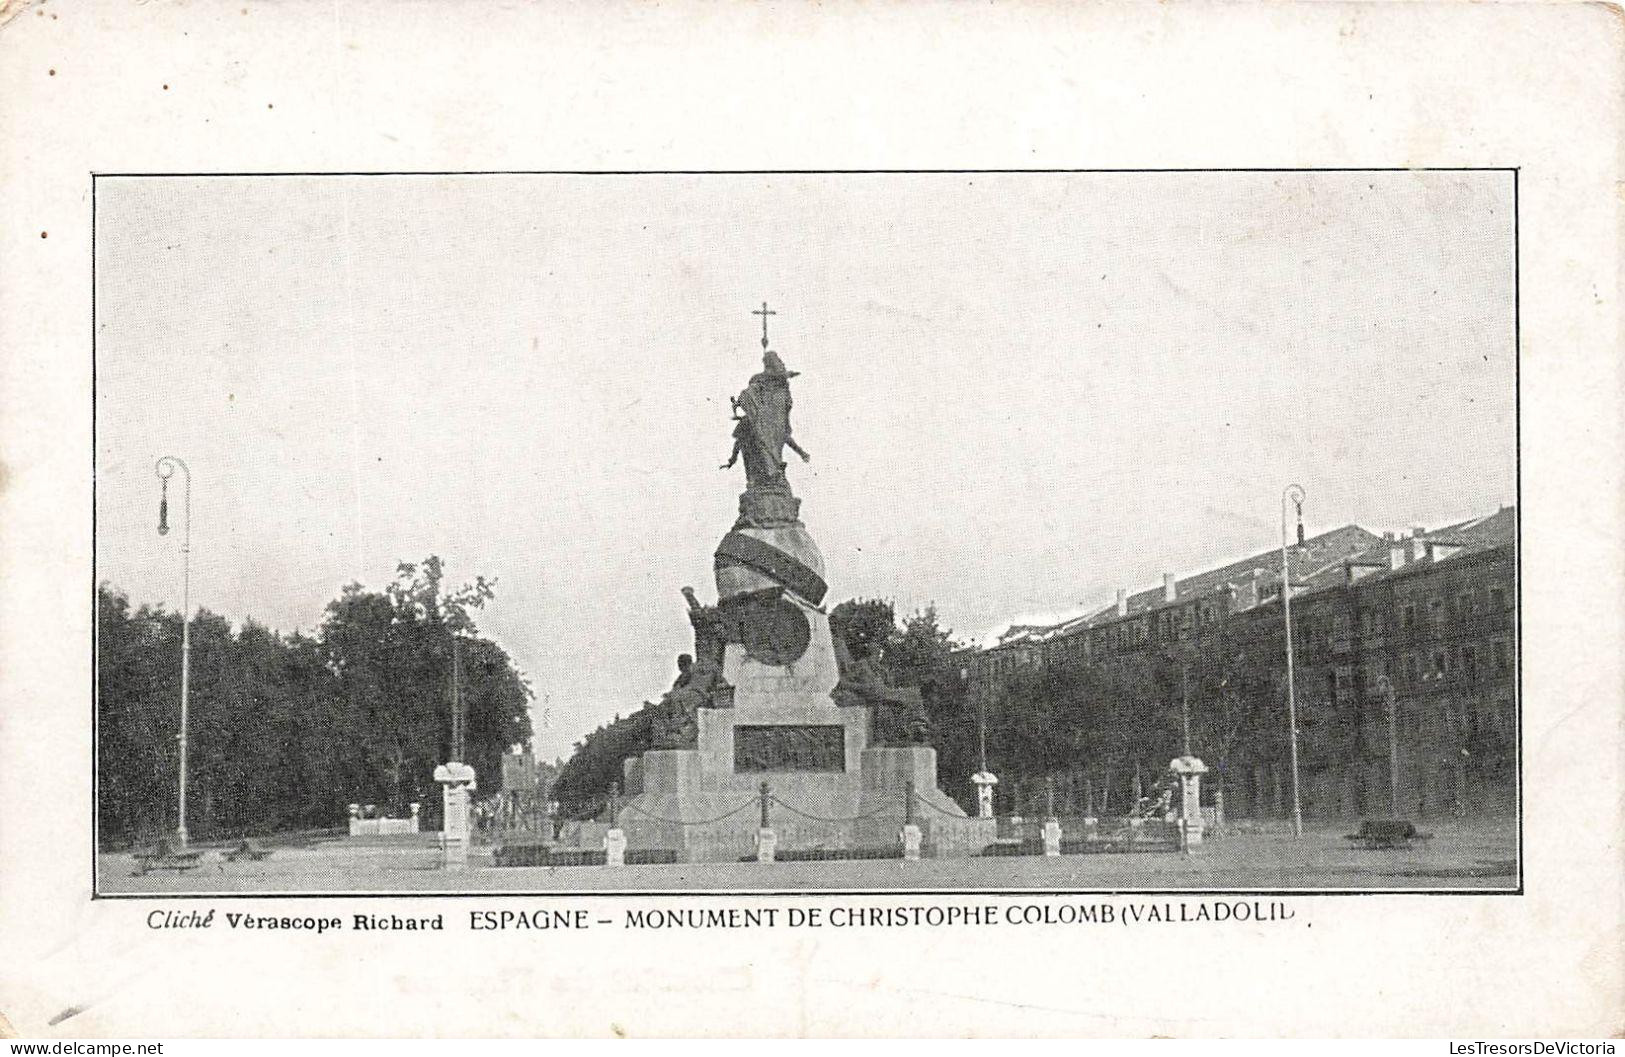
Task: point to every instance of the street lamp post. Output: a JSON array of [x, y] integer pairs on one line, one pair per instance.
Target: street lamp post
[[1393, 747], [1294, 494], [983, 780], [1185, 702], [166, 469]]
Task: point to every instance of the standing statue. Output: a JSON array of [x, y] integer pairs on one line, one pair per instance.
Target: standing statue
[[762, 425]]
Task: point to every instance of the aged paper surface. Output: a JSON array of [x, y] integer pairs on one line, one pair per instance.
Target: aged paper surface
[[1063, 292]]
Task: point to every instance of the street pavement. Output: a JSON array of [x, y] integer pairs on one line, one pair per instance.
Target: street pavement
[[1477, 855]]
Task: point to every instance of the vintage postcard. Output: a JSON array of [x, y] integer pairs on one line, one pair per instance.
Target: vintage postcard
[[737, 561], [908, 649]]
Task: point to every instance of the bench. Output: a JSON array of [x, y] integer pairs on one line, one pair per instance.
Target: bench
[[246, 850], [164, 856], [1386, 833]]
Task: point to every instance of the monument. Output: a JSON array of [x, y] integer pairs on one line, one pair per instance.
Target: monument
[[771, 696]]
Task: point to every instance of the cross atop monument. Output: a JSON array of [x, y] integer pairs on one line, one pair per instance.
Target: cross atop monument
[[764, 312]]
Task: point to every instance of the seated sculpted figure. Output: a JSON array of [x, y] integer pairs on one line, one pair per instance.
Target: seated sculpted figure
[[675, 724], [899, 713], [699, 683]]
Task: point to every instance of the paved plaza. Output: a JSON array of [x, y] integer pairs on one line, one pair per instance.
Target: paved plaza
[[1478, 855]]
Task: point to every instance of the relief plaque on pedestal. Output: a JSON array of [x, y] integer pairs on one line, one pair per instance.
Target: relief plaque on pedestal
[[789, 747]]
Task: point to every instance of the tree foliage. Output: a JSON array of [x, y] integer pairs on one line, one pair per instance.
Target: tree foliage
[[284, 731], [594, 768]]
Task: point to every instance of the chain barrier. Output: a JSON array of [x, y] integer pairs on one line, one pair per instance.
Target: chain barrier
[[753, 801], [819, 818], [702, 822], [941, 811]]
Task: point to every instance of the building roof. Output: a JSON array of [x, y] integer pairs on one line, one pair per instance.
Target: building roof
[[1324, 551], [1327, 550], [1320, 563], [1473, 536], [1491, 530]]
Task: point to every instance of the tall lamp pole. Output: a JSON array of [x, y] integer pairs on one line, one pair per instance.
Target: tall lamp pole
[[1393, 746], [1295, 495], [1185, 701], [166, 469], [981, 730]]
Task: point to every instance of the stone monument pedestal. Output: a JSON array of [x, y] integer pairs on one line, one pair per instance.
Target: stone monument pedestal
[[829, 785], [857, 802], [770, 698]]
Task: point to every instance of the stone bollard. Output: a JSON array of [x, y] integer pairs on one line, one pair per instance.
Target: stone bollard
[[911, 836], [911, 842], [1052, 837], [457, 786], [766, 840], [615, 847], [984, 781], [416, 807], [1190, 770]]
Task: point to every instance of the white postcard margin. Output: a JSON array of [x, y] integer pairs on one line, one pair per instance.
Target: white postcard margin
[[245, 86]]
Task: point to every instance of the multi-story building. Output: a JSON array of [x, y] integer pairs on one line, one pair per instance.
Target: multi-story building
[[1404, 673]]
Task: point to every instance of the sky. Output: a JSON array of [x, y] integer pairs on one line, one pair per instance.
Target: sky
[[1020, 391]]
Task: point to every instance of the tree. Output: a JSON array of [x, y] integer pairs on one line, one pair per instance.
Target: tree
[[594, 768], [285, 731], [392, 652], [137, 717], [864, 625]]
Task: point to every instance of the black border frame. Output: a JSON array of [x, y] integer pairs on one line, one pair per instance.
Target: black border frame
[[1033, 893]]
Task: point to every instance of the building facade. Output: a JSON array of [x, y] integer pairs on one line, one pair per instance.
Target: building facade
[[1405, 679]]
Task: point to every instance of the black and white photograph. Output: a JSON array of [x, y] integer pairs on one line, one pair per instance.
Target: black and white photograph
[[872, 531], [880, 522]]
